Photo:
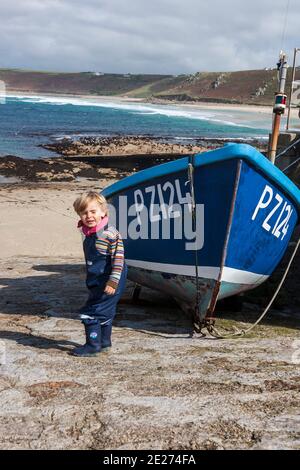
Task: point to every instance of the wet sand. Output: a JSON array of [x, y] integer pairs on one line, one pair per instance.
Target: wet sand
[[158, 388]]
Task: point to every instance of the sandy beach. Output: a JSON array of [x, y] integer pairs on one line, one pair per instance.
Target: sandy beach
[[257, 109], [158, 388]]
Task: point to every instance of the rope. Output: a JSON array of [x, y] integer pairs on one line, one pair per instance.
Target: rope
[[196, 311], [211, 328], [214, 332], [152, 333], [293, 144], [289, 166], [285, 23]]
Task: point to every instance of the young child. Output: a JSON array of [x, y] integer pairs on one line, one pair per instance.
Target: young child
[[106, 272]]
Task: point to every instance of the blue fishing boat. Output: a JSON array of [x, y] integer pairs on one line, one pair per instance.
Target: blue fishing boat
[[207, 226]]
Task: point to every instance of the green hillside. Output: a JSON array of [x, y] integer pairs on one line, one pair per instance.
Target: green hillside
[[246, 87]]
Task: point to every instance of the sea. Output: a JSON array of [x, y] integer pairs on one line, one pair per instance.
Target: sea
[[28, 122]]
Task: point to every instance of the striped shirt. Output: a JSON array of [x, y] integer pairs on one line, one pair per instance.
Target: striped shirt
[[109, 243]]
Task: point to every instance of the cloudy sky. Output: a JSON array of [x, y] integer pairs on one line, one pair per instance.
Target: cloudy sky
[[146, 36]]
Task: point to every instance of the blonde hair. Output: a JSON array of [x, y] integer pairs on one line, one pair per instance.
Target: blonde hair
[[80, 204]]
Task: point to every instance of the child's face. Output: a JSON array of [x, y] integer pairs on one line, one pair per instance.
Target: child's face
[[92, 214]]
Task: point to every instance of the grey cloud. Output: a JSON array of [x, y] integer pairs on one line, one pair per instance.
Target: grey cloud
[[139, 36]]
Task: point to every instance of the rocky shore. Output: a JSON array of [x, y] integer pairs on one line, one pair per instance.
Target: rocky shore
[[136, 145], [53, 169], [94, 157], [126, 155], [117, 146]]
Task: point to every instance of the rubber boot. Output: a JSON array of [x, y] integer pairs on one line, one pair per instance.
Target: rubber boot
[[106, 336], [93, 340]]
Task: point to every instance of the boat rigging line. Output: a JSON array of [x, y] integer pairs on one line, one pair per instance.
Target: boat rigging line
[[288, 148], [196, 310], [291, 164], [214, 332], [211, 329], [285, 24], [198, 325]]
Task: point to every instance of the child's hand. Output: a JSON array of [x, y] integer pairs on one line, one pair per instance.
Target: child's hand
[[109, 290]]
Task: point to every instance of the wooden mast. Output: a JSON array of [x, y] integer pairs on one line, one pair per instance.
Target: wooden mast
[[279, 106]]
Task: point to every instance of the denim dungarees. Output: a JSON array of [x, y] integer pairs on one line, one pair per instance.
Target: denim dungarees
[[100, 306]]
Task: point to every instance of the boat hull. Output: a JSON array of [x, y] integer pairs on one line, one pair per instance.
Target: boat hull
[[244, 220]]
